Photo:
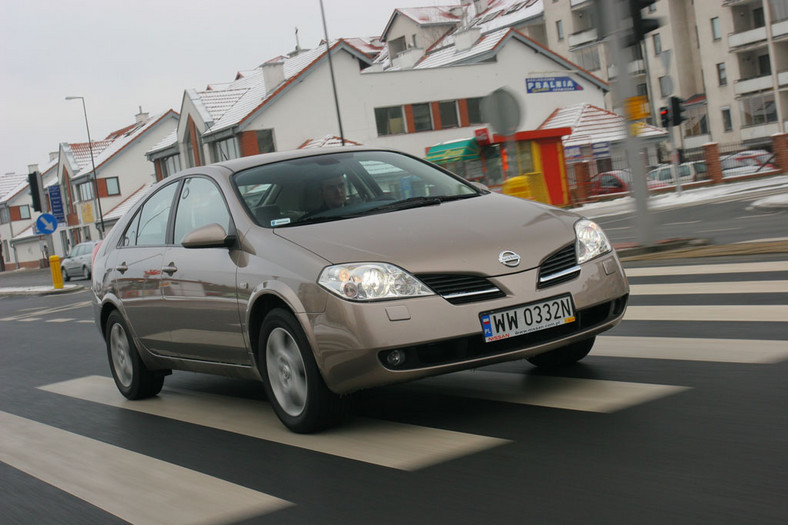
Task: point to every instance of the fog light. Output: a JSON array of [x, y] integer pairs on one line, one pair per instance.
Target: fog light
[[395, 358]]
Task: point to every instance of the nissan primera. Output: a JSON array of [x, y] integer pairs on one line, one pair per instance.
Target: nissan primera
[[326, 272]]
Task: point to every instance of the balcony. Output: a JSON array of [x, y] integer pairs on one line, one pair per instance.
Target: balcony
[[575, 3], [747, 37], [759, 132], [583, 37], [634, 68], [780, 29], [750, 85]]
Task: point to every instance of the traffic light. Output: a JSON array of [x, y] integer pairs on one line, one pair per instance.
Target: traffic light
[[641, 26], [34, 181], [677, 114], [664, 115]]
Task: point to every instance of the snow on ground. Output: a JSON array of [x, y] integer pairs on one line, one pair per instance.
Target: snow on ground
[[695, 196]]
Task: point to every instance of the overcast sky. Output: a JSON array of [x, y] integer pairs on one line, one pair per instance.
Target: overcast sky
[[123, 55]]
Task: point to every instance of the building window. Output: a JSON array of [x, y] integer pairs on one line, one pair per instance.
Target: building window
[[757, 18], [170, 165], [657, 44], [113, 186], [664, 86], [764, 66], [189, 148], [759, 109], [449, 116], [85, 191], [389, 120], [697, 122], [5, 215], [225, 150], [265, 141], [86, 233], [6, 253], [716, 32], [587, 58], [24, 212], [474, 106], [722, 75], [727, 123], [642, 90], [422, 117], [559, 28]]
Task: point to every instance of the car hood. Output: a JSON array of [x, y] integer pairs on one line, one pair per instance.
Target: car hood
[[457, 236]]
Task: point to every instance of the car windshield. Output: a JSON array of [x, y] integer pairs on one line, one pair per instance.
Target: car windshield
[[344, 185]]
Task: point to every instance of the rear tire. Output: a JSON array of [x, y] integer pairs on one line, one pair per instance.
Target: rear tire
[[85, 273], [132, 377], [293, 383], [565, 355]]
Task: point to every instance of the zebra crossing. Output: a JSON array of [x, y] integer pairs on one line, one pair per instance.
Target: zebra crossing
[[110, 477]]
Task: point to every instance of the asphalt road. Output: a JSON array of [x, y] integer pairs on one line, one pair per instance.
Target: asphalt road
[[673, 418]]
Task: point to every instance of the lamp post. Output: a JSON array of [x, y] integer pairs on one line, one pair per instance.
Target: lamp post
[[93, 163]]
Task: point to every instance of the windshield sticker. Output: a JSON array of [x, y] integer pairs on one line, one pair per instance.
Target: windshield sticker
[[280, 222]]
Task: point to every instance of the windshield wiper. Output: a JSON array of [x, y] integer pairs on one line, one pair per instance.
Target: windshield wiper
[[417, 202]]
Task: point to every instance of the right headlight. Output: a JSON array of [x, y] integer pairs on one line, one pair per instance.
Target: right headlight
[[591, 241], [371, 281]]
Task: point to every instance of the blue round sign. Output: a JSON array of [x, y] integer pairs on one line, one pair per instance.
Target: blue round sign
[[46, 224]]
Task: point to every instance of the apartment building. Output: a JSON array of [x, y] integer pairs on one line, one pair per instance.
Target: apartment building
[[727, 58]]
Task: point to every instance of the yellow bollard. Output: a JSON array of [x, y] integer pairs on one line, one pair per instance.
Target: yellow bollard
[[57, 277]]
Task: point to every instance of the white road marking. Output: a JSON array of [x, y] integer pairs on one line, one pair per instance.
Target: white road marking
[[705, 269], [28, 319], [86, 321], [681, 223], [129, 485], [587, 395], [689, 349], [720, 287], [393, 445], [62, 320], [769, 239], [710, 312], [45, 311]]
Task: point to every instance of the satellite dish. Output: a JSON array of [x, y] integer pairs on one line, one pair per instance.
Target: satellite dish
[[501, 109]]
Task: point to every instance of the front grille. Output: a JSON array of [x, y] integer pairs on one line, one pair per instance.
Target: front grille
[[460, 289], [559, 267], [473, 347]]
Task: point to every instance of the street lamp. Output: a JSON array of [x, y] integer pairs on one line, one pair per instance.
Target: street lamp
[[93, 163]]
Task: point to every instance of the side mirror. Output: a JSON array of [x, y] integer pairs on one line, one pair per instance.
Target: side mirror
[[210, 236]]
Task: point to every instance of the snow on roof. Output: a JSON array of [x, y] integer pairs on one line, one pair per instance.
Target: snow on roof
[[81, 151], [118, 211], [433, 15], [256, 93], [327, 141], [166, 142], [507, 13], [111, 148], [9, 184], [591, 124], [447, 55]]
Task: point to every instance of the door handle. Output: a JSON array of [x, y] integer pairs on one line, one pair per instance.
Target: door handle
[[122, 268], [170, 269]]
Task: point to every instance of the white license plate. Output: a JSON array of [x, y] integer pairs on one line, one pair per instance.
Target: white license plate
[[527, 318]]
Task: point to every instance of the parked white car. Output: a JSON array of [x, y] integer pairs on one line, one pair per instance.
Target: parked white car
[[79, 262], [662, 176]]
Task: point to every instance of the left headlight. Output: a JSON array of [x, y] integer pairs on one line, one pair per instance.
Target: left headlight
[[370, 282], [591, 241]]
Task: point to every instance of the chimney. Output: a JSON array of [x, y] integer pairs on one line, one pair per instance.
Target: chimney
[[141, 117], [273, 74], [464, 40], [32, 168], [53, 155]]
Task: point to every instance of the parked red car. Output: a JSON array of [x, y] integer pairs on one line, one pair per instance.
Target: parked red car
[[611, 182]]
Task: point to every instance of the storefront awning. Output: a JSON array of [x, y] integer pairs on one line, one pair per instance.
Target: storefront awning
[[453, 151]]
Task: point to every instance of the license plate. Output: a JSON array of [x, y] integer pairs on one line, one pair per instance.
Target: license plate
[[527, 318]]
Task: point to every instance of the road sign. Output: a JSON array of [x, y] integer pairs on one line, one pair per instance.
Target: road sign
[[46, 224], [501, 109], [56, 201], [551, 85]]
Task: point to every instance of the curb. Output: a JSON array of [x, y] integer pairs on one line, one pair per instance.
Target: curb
[[41, 290]]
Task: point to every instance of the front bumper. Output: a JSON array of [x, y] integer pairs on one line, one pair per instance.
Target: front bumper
[[351, 339]]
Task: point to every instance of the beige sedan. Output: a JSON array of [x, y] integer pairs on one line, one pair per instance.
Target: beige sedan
[[324, 273]]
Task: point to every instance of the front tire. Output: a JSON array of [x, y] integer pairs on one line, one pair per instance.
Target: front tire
[[132, 377], [565, 355], [85, 273], [66, 278], [295, 388]]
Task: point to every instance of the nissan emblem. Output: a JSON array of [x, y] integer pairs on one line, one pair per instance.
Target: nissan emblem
[[509, 258]]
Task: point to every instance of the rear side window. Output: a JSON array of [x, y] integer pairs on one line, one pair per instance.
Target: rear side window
[[153, 218]]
